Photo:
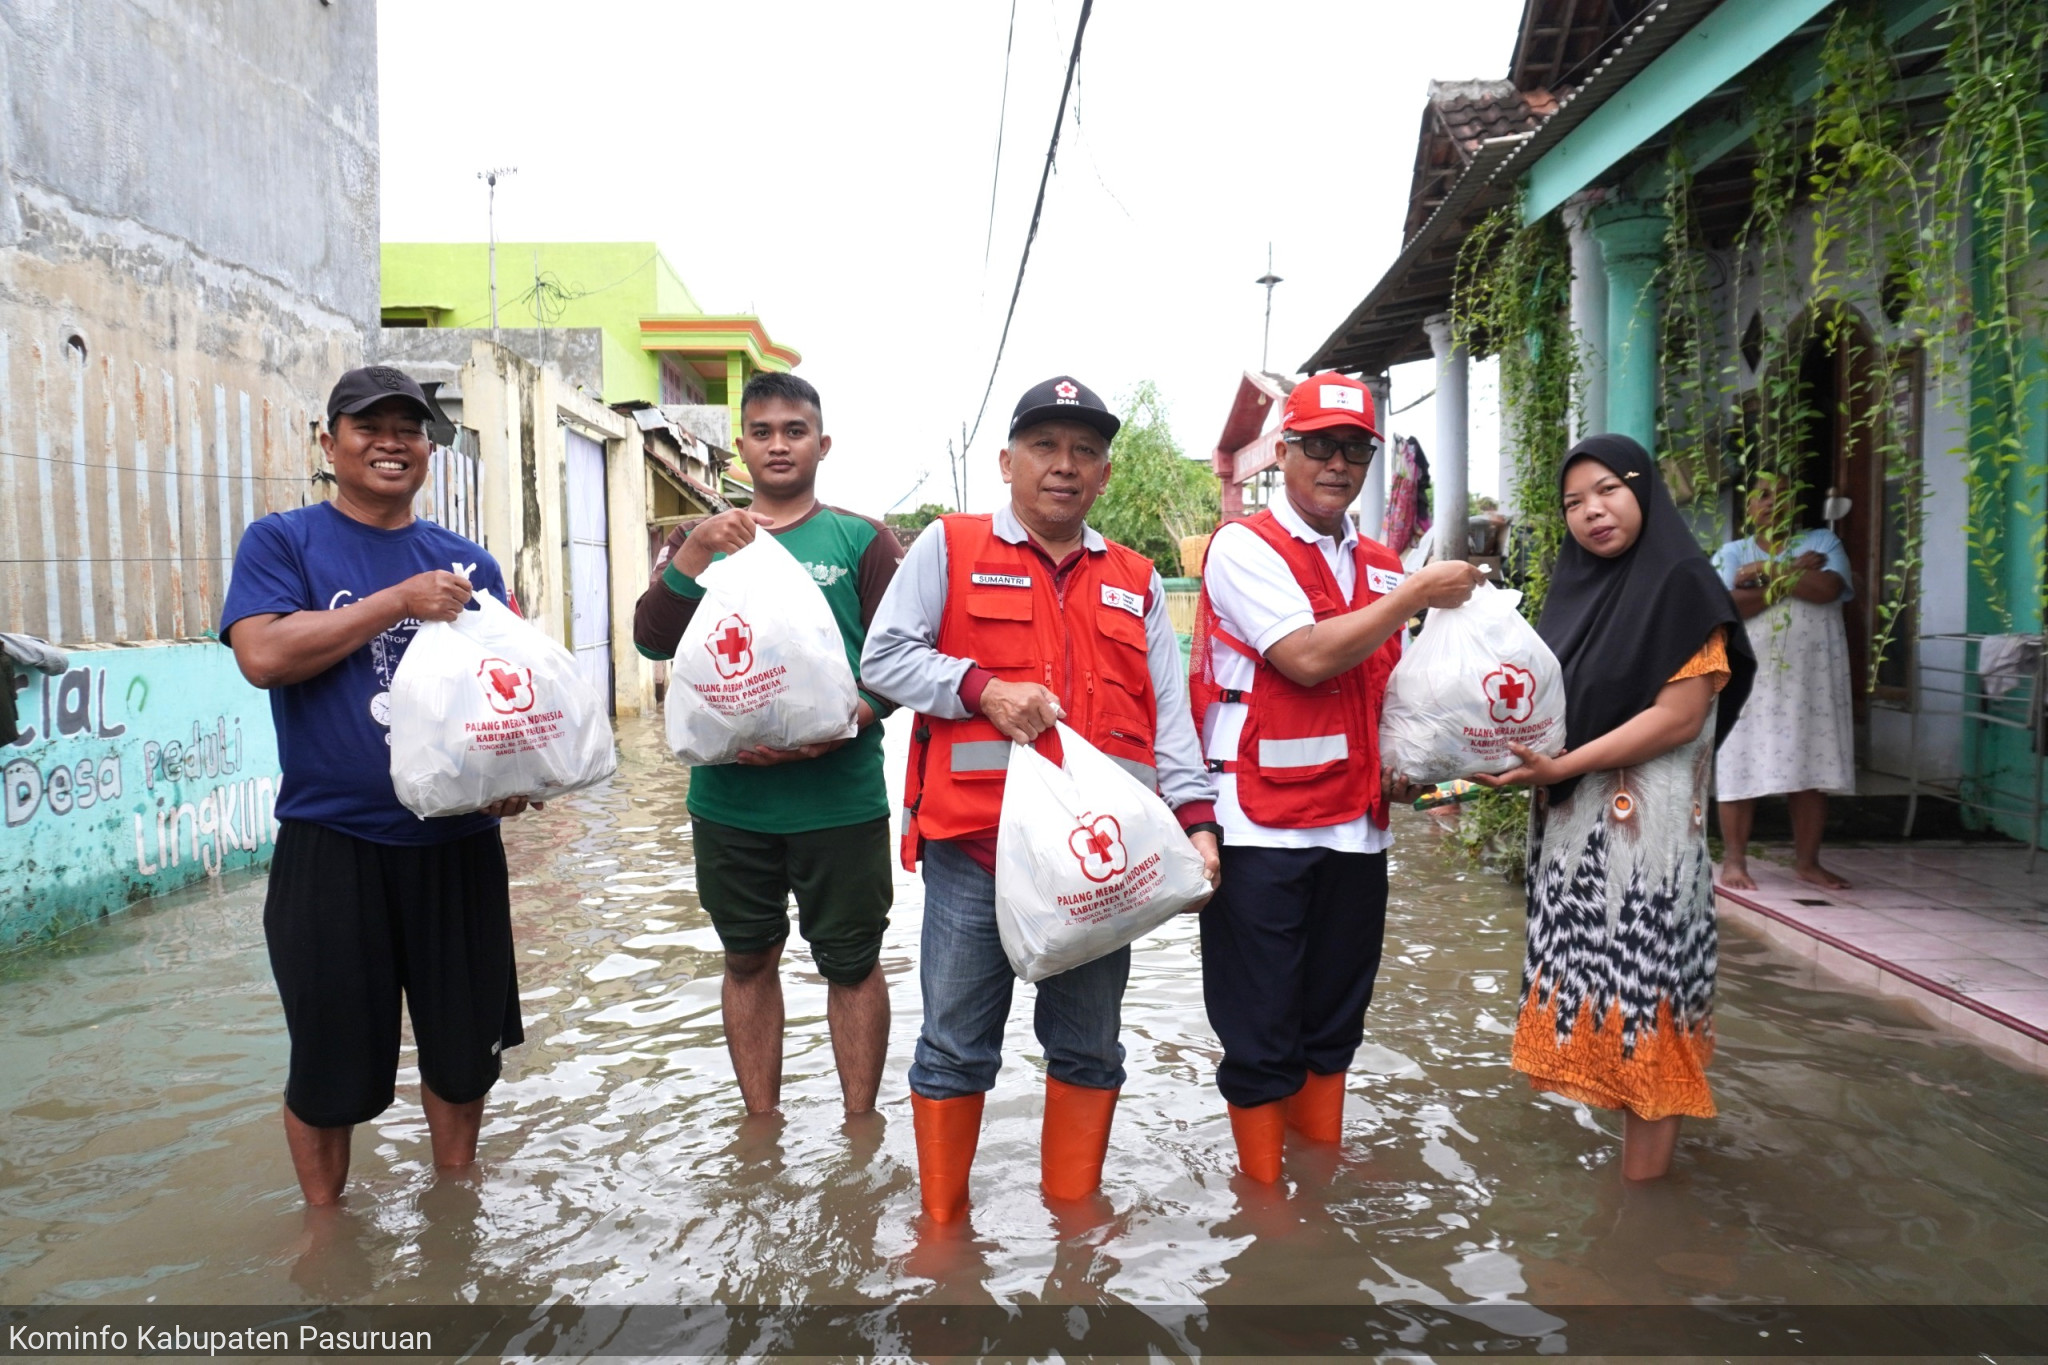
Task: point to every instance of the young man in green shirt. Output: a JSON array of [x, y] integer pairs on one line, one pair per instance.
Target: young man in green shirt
[[815, 820]]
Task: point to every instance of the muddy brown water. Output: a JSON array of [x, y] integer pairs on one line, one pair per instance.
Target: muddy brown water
[[1861, 1156]]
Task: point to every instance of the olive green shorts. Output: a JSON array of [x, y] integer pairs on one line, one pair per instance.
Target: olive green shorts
[[841, 878]]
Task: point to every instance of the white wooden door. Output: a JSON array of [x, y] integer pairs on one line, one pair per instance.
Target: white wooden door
[[590, 596]]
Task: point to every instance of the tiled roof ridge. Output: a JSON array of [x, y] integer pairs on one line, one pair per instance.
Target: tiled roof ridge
[[1475, 111]]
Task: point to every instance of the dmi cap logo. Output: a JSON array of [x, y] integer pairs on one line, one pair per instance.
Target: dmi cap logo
[[1097, 843], [1066, 391], [507, 687], [732, 647], [1342, 396], [1510, 693]]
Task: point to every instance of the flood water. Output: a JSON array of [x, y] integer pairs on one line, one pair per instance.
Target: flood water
[[1861, 1156]]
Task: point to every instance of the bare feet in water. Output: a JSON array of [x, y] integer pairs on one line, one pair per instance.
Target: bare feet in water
[[1735, 877]]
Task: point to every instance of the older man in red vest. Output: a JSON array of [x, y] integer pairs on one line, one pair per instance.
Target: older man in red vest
[[1299, 625], [996, 626]]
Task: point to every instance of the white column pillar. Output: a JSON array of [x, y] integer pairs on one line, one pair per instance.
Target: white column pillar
[[1372, 499], [1589, 315], [1448, 462]]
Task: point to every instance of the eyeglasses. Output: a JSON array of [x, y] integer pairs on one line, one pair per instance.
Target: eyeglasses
[[1321, 448]]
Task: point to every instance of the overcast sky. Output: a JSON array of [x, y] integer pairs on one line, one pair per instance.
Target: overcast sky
[[828, 166]]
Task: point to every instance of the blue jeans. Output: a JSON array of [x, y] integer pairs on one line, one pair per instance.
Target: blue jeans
[[966, 982]]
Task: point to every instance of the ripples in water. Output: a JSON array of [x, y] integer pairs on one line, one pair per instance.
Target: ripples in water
[[1861, 1155]]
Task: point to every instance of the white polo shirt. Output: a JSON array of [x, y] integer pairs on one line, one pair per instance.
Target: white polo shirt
[[1256, 598]]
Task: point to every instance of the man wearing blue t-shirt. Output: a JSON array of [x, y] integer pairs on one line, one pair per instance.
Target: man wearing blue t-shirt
[[368, 901]]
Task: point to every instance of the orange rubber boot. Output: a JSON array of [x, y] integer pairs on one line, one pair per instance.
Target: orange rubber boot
[[1259, 1131], [1316, 1111], [1074, 1139], [947, 1133]]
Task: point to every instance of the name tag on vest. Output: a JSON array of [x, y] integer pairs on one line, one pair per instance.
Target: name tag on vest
[[1001, 580], [1382, 581], [1123, 599]]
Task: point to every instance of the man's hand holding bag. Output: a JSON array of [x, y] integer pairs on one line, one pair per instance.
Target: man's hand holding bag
[[762, 664], [1087, 860], [1478, 679], [485, 707]]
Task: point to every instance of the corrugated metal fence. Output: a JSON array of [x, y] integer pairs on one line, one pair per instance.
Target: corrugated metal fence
[[124, 489]]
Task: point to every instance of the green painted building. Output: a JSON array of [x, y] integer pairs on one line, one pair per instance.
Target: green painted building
[[1784, 235], [658, 346]]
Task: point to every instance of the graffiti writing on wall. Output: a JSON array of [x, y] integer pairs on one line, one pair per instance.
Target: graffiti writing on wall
[[135, 771]]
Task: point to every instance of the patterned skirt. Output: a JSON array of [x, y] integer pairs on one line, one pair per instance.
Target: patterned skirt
[[1618, 984]]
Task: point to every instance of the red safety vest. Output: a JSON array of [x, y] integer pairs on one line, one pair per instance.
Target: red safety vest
[[1084, 639], [1307, 756]]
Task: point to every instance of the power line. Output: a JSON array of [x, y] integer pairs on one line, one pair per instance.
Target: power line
[[1037, 209], [1002, 119], [228, 474]]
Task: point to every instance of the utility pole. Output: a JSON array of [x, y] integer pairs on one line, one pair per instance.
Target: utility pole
[[490, 177], [1269, 279], [960, 476]]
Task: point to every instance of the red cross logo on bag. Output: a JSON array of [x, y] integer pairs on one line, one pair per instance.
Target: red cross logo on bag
[[1097, 844], [1510, 693], [732, 647], [508, 689]]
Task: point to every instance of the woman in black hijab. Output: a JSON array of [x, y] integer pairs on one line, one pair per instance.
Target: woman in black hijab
[[1618, 983]]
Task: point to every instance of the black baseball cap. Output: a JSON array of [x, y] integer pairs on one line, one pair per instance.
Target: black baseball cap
[[371, 385], [1064, 399]]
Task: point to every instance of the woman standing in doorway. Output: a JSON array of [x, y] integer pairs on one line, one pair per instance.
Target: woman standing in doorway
[[1797, 734], [1618, 982]]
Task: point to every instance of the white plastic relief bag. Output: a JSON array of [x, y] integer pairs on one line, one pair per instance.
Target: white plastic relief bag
[[485, 707], [1477, 679], [1087, 859], [762, 663]]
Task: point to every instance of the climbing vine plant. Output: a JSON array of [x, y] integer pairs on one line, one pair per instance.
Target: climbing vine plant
[[1986, 164], [1692, 379], [1511, 298], [1867, 203], [1770, 437], [1890, 212], [1937, 240]]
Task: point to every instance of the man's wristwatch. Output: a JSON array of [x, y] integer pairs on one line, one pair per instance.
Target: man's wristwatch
[[1205, 827]]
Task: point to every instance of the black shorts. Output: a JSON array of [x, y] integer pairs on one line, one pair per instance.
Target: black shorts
[[351, 925], [840, 876]]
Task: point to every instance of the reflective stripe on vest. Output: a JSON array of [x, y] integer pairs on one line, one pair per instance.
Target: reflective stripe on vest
[[1303, 776], [1311, 752], [981, 756]]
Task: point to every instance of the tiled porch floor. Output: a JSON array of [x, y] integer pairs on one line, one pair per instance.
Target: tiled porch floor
[[1961, 931]]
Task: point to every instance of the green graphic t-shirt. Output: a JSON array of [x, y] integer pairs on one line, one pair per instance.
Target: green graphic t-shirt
[[852, 559]]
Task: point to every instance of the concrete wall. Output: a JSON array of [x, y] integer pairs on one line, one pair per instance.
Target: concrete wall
[[577, 353], [188, 258], [518, 411]]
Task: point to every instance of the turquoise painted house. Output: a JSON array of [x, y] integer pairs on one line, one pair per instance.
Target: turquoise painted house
[[1784, 234]]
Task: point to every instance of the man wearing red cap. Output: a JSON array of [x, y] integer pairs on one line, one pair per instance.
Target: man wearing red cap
[[1298, 627]]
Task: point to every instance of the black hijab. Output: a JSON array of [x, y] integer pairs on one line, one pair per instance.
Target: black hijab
[[1621, 627]]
